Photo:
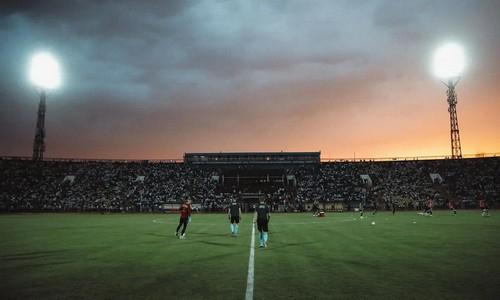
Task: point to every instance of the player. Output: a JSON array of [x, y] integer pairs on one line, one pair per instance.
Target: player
[[185, 211], [393, 204], [234, 215], [315, 208], [262, 217], [361, 210], [430, 205], [451, 206], [374, 207], [484, 208]]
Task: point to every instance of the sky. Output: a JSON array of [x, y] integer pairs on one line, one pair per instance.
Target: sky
[[156, 79]]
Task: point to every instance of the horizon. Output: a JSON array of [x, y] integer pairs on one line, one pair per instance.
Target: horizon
[[323, 159]]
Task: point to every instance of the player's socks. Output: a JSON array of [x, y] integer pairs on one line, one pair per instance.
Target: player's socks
[[265, 237], [232, 228], [237, 229]]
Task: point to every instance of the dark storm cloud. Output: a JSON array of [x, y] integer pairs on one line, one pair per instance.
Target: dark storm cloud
[[165, 74]]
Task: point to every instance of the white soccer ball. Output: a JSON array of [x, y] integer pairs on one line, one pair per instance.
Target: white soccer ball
[[373, 223]]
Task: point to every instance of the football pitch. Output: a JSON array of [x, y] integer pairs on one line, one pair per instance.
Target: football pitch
[[340, 256]]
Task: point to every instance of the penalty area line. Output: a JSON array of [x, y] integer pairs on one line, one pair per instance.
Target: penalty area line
[[250, 275]]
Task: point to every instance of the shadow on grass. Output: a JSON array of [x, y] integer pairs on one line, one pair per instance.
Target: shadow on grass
[[162, 235], [360, 264], [280, 245], [210, 234], [31, 255], [26, 267], [218, 244]]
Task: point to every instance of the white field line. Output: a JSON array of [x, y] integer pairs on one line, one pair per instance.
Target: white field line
[[250, 276], [251, 258]]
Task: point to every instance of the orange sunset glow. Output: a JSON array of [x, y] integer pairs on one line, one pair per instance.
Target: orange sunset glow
[[349, 80]]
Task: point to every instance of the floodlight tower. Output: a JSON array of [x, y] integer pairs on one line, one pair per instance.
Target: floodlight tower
[[449, 65], [39, 141], [45, 74], [456, 148]]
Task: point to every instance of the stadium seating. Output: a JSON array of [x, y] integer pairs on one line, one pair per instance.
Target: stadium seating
[[148, 187]]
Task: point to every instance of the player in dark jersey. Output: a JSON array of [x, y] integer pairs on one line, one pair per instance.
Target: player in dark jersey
[[234, 215], [262, 217], [185, 211], [375, 207], [430, 205], [315, 208], [393, 204], [361, 210]]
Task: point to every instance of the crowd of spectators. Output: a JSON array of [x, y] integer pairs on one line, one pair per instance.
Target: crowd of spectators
[[405, 184], [100, 186], [141, 186]]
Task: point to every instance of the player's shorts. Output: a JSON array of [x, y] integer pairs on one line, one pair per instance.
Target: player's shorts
[[235, 219], [262, 225], [184, 220]]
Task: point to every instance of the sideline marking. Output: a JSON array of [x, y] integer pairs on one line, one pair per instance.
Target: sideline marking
[[249, 293]]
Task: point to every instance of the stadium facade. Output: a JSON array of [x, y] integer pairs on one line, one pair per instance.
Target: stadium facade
[[252, 158]]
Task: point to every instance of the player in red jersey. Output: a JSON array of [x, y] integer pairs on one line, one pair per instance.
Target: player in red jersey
[[430, 204], [185, 211], [484, 207], [451, 205]]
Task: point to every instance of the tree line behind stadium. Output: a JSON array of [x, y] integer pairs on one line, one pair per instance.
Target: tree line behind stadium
[[108, 186]]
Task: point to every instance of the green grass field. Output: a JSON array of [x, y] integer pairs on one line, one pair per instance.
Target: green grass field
[[137, 256]]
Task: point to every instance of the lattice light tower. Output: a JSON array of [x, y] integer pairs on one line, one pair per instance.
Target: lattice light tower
[[449, 63], [456, 148], [45, 74], [39, 141]]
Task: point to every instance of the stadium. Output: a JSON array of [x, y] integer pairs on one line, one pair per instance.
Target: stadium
[[228, 150]]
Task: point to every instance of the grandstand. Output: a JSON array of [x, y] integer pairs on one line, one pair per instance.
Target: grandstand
[[289, 181]]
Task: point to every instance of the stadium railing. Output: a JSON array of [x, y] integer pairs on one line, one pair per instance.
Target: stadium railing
[[407, 158]]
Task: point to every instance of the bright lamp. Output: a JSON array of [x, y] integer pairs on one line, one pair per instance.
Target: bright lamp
[[44, 71], [449, 61]]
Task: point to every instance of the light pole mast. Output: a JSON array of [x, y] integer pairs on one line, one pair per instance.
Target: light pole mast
[[39, 141], [45, 74], [449, 62], [456, 149]]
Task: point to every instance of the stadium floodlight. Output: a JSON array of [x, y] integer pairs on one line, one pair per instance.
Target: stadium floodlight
[[45, 74], [449, 64], [44, 71], [449, 61]]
